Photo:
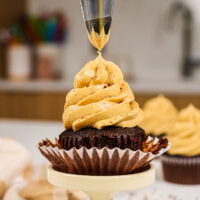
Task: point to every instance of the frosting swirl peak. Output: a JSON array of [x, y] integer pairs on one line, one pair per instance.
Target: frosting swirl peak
[[100, 98], [159, 115], [185, 133]]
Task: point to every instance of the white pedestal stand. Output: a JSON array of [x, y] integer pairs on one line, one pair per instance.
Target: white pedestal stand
[[101, 187]]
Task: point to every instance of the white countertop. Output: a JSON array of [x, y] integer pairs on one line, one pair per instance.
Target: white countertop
[[30, 132], [155, 87]]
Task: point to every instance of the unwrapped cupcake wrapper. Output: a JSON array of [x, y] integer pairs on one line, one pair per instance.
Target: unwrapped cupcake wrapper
[[96, 161], [181, 170]]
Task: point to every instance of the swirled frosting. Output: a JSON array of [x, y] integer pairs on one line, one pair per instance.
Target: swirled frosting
[[185, 133], [159, 115], [100, 98]]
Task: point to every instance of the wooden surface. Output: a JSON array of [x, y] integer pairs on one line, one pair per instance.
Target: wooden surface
[[49, 106], [32, 106], [10, 10]]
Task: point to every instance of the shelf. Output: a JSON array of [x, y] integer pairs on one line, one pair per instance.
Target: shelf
[[145, 87], [35, 86], [167, 87]]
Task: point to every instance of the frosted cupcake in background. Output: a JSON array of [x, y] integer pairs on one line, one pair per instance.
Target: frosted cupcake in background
[[159, 115], [182, 162]]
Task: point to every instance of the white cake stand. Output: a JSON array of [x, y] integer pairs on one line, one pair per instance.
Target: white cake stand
[[101, 187]]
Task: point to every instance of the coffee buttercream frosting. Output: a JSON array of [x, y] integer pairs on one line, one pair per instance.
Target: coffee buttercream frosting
[[100, 98]]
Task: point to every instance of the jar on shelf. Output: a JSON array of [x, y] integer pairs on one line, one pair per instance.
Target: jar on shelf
[[19, 63], [47, 61]]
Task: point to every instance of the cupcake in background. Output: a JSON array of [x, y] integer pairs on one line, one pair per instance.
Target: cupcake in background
[[159, 115], [182, 162]]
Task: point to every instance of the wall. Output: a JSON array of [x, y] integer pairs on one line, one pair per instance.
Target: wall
[[140, 41]]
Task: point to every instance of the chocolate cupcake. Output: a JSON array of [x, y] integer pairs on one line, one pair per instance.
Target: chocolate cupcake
[[109, 137], [159, 116], [101, 119], [182, 163]]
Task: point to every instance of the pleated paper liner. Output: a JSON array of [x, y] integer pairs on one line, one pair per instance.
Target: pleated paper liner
[[181, 170], [103, 161]]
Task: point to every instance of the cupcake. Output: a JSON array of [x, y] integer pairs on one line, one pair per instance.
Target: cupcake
[[33, 185], [182, 162], [101, 119], [15, 158], [159, 115]]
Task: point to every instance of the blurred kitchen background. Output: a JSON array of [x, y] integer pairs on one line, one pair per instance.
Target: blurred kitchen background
[[44, 44]]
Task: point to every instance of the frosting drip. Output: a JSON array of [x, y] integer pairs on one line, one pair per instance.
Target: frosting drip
[[100, 98]]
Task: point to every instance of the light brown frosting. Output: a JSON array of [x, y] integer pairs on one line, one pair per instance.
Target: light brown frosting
[[185, 133], [100, 98], [99, 41], [159, 115]]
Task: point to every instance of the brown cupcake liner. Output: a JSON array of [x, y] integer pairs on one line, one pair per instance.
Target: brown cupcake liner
[[181, 170], [96, 161]]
